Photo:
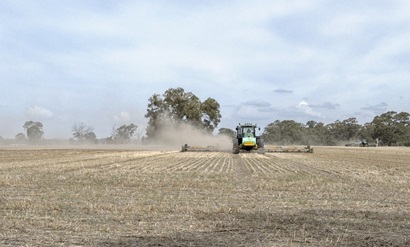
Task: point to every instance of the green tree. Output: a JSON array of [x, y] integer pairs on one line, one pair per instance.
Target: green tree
[[20, 138], [84, 133], [211, 116], [316, 133], [292, 132], [178, 106], [155, 114], [392, 128], [125, 133], [366, 132], [351, 128], [345, 130], [91, 137], [284, 132], [182, 105], [34, 130], [272, 133], [227, 132]]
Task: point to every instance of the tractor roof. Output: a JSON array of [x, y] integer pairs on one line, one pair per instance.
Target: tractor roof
[[247, 125]]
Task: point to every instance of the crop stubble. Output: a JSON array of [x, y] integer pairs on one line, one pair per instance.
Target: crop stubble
[[334, 197]]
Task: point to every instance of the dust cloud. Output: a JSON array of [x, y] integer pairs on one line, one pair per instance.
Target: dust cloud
[[176, 135], [172, 136]]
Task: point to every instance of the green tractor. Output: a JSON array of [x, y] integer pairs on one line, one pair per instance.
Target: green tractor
[[247, 140]]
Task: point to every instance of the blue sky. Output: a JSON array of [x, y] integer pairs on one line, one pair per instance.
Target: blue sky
[[98, 62]]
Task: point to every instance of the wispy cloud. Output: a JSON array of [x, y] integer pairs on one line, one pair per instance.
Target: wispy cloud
[[326, 105], [39, 112], [378, 108], [282, 91], [257, 103], [122, 117], [257, 110], [256, 58]]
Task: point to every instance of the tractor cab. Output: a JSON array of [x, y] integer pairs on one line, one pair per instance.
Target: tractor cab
[[246, 130], [246, 138]]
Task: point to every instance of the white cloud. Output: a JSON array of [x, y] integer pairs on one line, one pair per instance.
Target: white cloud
[[305, 107], [122, 117], [74, 55]]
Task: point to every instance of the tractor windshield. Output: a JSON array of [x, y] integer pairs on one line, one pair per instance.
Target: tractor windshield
[[248, 131]]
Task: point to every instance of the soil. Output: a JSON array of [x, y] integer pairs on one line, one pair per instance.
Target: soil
[[336, 196]]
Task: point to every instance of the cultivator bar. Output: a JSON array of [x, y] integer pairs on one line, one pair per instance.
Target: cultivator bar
[[288, 149], [187, 148]]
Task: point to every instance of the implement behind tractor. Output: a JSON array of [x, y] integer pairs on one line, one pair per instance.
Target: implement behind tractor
[[187, 148], [247, 140], [288, 149]]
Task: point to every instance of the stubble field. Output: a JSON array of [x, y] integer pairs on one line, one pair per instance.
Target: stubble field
[[334, 197]]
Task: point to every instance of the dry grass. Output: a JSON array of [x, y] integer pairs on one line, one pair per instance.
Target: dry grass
[[334, 197]]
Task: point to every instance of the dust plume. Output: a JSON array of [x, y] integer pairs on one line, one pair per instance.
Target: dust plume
[[175, 134]]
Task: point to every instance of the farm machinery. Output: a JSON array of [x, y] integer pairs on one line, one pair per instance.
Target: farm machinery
[[288, 149], [187, 148], [247, 140]]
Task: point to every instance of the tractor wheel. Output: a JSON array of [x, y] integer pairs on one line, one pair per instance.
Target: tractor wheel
[[260, 142], [261, 145], [235, 148]]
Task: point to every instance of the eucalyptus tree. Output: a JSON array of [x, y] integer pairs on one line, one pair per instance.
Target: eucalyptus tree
[[34, 130], [176, 106]]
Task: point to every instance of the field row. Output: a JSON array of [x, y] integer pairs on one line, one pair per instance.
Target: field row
[[361, 162], [333, 197], [147, 161]]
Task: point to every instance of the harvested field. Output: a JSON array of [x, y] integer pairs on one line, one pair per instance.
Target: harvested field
[[337, 196]]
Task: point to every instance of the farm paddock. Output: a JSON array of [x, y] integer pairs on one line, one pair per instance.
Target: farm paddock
[[337, 196]]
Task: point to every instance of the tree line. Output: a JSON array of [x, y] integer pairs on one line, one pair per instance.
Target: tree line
[[389, 129], [165, 112], [82, 134], [176, 107]]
